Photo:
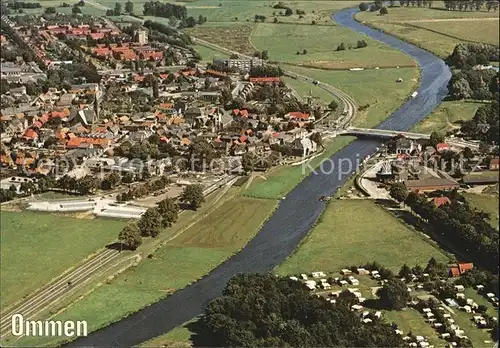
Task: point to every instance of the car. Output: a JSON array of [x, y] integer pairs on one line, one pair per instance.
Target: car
[[315, 82]]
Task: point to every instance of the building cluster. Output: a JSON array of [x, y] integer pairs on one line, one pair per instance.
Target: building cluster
[[423, 168], [91, 123]]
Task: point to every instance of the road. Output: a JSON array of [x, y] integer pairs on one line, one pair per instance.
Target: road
[[293, 218]]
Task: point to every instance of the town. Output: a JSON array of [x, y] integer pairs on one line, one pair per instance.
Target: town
[[153, 152]]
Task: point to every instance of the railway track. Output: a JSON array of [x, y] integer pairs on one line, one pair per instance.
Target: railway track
[[52, 292]]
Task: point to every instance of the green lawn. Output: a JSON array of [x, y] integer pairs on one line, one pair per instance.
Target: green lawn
[[447, 116], [481, 30], [208, 54], [284, 40], [178, 337], [353, 232], [37, 247], [410, 319], [487, 203], [280, 180], [183, 260], [228, 228], [378, 88]]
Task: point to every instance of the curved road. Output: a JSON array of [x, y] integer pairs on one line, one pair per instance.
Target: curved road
[[293, 218]]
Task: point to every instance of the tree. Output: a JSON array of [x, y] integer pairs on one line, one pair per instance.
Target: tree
[[436, 138], [76, 10], [405, 272], [50, 10], [341, 47], [169, 211], [193, 195], [150, 223], [265, 55], [384, 11], [394, 294], [129, 7], [363, 7], [398, 191], [190, 22], [333, 105], [110, 12], [130, 237], [267, 311], [87, 184], [248, 162], [118, 9], [288, 12], [275, 20], [468, 154], [304, 51], [316, 137]]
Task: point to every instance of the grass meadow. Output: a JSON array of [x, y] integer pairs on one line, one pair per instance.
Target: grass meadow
[[448, 116], [353, 232], [37, 247]]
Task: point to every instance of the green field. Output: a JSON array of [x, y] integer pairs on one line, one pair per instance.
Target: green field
[[208, 54], [436, 29], [178, 337], [353, 232], [37, 247], [447, 116], [280, 180], [410, 319], [481, 30], [247, 9], [486, 203], [284, 40], [186, 258], [375, 87]]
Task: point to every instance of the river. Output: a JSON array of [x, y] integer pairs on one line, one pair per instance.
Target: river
[[293, 218]]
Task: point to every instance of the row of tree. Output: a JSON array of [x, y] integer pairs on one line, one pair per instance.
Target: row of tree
[[464, 5], [159, 217], [144, 189], [359, 44], [164, 9], [458, 224], [484, 125], [466, 55]]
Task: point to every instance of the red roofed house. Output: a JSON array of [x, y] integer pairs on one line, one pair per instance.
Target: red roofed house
[[465, 267], [442, 147], [299, 116], [439, 201], [270, 80], [240, 113], [454, 272], [494, 164]]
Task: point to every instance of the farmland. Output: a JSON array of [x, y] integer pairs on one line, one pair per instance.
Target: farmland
[[353, 232], [448, 116], [436, 29], [321, 42], [61, 242], [184, 259]]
